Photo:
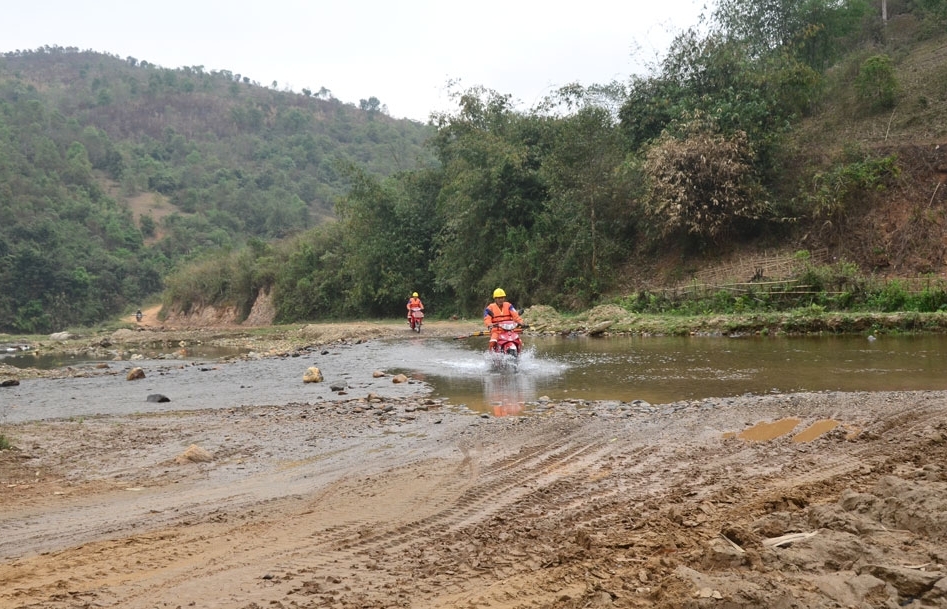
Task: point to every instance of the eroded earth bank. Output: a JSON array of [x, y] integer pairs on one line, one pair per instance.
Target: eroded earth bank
[[840, 501]]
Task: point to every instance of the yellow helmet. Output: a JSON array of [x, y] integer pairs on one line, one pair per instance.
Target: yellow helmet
[[414, 295], [499, 293]]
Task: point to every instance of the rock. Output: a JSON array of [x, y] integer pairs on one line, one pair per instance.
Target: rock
[[910, 583], [600, 327], [134, 374], [157, 397], [939, 590], [720, 554], [852, 591], [338, 386], [600, 599], [122, 334], [378, 374], [400, 378], [194, 454], [313, 375], [9, 382], [60, 336]]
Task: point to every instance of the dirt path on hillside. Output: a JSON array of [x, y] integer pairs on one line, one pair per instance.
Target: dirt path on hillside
[[149, 318], [413, 503]]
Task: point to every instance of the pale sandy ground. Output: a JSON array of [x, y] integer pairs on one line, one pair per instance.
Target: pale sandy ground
[[409, 502]]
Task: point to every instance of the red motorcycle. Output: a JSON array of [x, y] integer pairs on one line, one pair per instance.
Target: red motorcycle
[[508, 341], [415, 318]]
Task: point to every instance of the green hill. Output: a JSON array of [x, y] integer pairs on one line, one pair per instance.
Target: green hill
[[115, 171], [812, 133]]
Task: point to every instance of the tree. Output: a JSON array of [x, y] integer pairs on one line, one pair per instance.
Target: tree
[[876, 83], [371, 105], [78, 167], [387, 228], [812, 30], [703, 183], [490, 196], [587, 211]]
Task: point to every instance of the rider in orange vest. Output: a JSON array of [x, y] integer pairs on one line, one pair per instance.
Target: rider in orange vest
[[497, 312], [413, 302]]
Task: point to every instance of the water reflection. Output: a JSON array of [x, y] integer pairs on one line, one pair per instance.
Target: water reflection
[[507, 392], [464, 373]]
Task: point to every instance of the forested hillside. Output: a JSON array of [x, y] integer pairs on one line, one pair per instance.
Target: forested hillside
[[779, 125], [113, 172]]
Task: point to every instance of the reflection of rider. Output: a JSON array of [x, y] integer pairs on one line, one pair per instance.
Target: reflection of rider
[[414, 302], [498, 312], [507, 394]]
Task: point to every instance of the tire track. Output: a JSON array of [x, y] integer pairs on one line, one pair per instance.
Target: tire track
[[507, 500], [329, 540]]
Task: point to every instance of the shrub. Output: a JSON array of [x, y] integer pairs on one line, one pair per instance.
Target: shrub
[[702, 182], [835, 190], [891, 297], [876, 85]]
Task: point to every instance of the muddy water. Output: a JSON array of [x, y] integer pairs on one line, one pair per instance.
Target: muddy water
[[49, 361], [662, 370], [654, 370], [203, 383], [765, 431]]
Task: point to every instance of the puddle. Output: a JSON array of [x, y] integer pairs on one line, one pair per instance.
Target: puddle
[[764, 432], [815, 430], [767, 431]]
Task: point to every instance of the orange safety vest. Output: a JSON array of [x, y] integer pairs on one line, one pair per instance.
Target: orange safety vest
[[495, 315], [414, 302]]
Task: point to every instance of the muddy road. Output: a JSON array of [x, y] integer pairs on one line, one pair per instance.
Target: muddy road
[[785, 500]]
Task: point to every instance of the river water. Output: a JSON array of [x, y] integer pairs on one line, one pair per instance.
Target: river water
[[656, 370], [668, 369]]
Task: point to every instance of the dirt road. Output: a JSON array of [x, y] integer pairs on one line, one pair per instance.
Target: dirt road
[[802, 500]]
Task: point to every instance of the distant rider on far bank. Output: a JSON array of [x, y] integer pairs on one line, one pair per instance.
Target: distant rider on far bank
[[414, 302]]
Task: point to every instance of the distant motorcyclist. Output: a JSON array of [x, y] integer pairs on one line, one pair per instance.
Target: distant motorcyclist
[[138, 315], [498, 312], [414, 303]]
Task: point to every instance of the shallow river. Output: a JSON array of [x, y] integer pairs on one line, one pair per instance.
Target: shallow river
[[655, 370], [662, 370]]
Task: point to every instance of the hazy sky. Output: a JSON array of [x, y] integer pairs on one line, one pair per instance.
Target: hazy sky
[[402, 52]]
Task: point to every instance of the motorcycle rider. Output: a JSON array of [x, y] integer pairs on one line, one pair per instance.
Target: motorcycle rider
[[414, 302], [498, 312]]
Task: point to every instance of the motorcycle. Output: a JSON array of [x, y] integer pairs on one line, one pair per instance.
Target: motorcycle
[[506, 350], [415, 318], [508, 346], [138, 315]]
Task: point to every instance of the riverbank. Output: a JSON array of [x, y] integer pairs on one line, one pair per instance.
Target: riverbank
[[819, 500], [158, 338]]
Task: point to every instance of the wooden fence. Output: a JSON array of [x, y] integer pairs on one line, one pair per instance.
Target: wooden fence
[[759, 269], [773, 277]]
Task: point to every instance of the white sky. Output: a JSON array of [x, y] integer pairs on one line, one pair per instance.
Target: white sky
[[402, 52]]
